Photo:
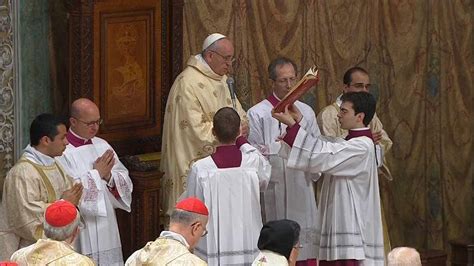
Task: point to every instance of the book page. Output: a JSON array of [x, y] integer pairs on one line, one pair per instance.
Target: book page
[[309, 80]]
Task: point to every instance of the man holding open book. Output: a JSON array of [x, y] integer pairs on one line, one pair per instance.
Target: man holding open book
[[290, 192], [356, 79]]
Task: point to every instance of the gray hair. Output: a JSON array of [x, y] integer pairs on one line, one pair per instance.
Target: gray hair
[[185, 217], [403, 256], [280, 61], [212, 47], [61, 233]]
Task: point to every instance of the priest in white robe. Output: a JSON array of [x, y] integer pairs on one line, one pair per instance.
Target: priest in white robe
[[229, 181], [34, 182], [290, 192], [196, 95], [107, 185], [350, 219]]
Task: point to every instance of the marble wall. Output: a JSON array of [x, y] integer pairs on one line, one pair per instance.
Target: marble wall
[[6, 88], [34, 62], [25, 76]]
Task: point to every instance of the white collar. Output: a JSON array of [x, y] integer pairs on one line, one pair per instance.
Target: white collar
[[276, 96], [338, 100], [175, 236], [359, 129], [202, 61], [38, 157]]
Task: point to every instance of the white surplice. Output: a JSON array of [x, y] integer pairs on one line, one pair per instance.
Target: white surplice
[[232, 196], [349, 207], [290, 192], [100, 240]]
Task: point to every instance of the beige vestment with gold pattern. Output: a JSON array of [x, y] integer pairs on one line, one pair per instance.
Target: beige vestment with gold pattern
[[329, 125], [196, 95], [164, 251], [50, 252], [30, 186]]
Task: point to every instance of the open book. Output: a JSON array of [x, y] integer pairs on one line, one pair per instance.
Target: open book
[[309, 80]]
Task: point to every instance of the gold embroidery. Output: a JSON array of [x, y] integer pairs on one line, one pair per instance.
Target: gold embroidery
[[208, 148], [168, 183], [178, 98], [47, 183], [201, 85], [205, 118], [215, 93], [211, 115], [228, 101], [183, 124], [39, 232]]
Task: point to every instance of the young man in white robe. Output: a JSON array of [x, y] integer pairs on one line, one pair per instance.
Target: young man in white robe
[[106, 182], [357, 79], [34, 182], [349, 219], [290, 192], [229, 181]]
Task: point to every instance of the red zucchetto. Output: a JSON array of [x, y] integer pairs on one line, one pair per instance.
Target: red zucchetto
[[60, 213], [192, 205]]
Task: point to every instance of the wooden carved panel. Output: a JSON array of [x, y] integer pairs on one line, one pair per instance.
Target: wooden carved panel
[[126, 78], [127, 69], [124, 55]]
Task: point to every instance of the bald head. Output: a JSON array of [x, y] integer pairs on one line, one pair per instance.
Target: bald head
[[85, 118], [403, 256], [82, 105]]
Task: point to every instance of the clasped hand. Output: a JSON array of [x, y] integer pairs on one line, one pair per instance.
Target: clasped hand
[[104, 165], [73, 195]]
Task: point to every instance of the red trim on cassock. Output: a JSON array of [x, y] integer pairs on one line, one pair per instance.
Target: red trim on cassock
[[75, 141], [339, 263], [273, 100], [291, 133], [227, 156], [241, 140], [308, 262], [114, 191], [359, 133]]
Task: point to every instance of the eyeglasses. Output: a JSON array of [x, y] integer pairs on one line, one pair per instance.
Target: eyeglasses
[[228, 58], [286, 80], [361, 86], [298, 246], [204, 233], [92, 123]]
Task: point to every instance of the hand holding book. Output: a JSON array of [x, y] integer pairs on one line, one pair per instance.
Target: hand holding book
[[310, 79]]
